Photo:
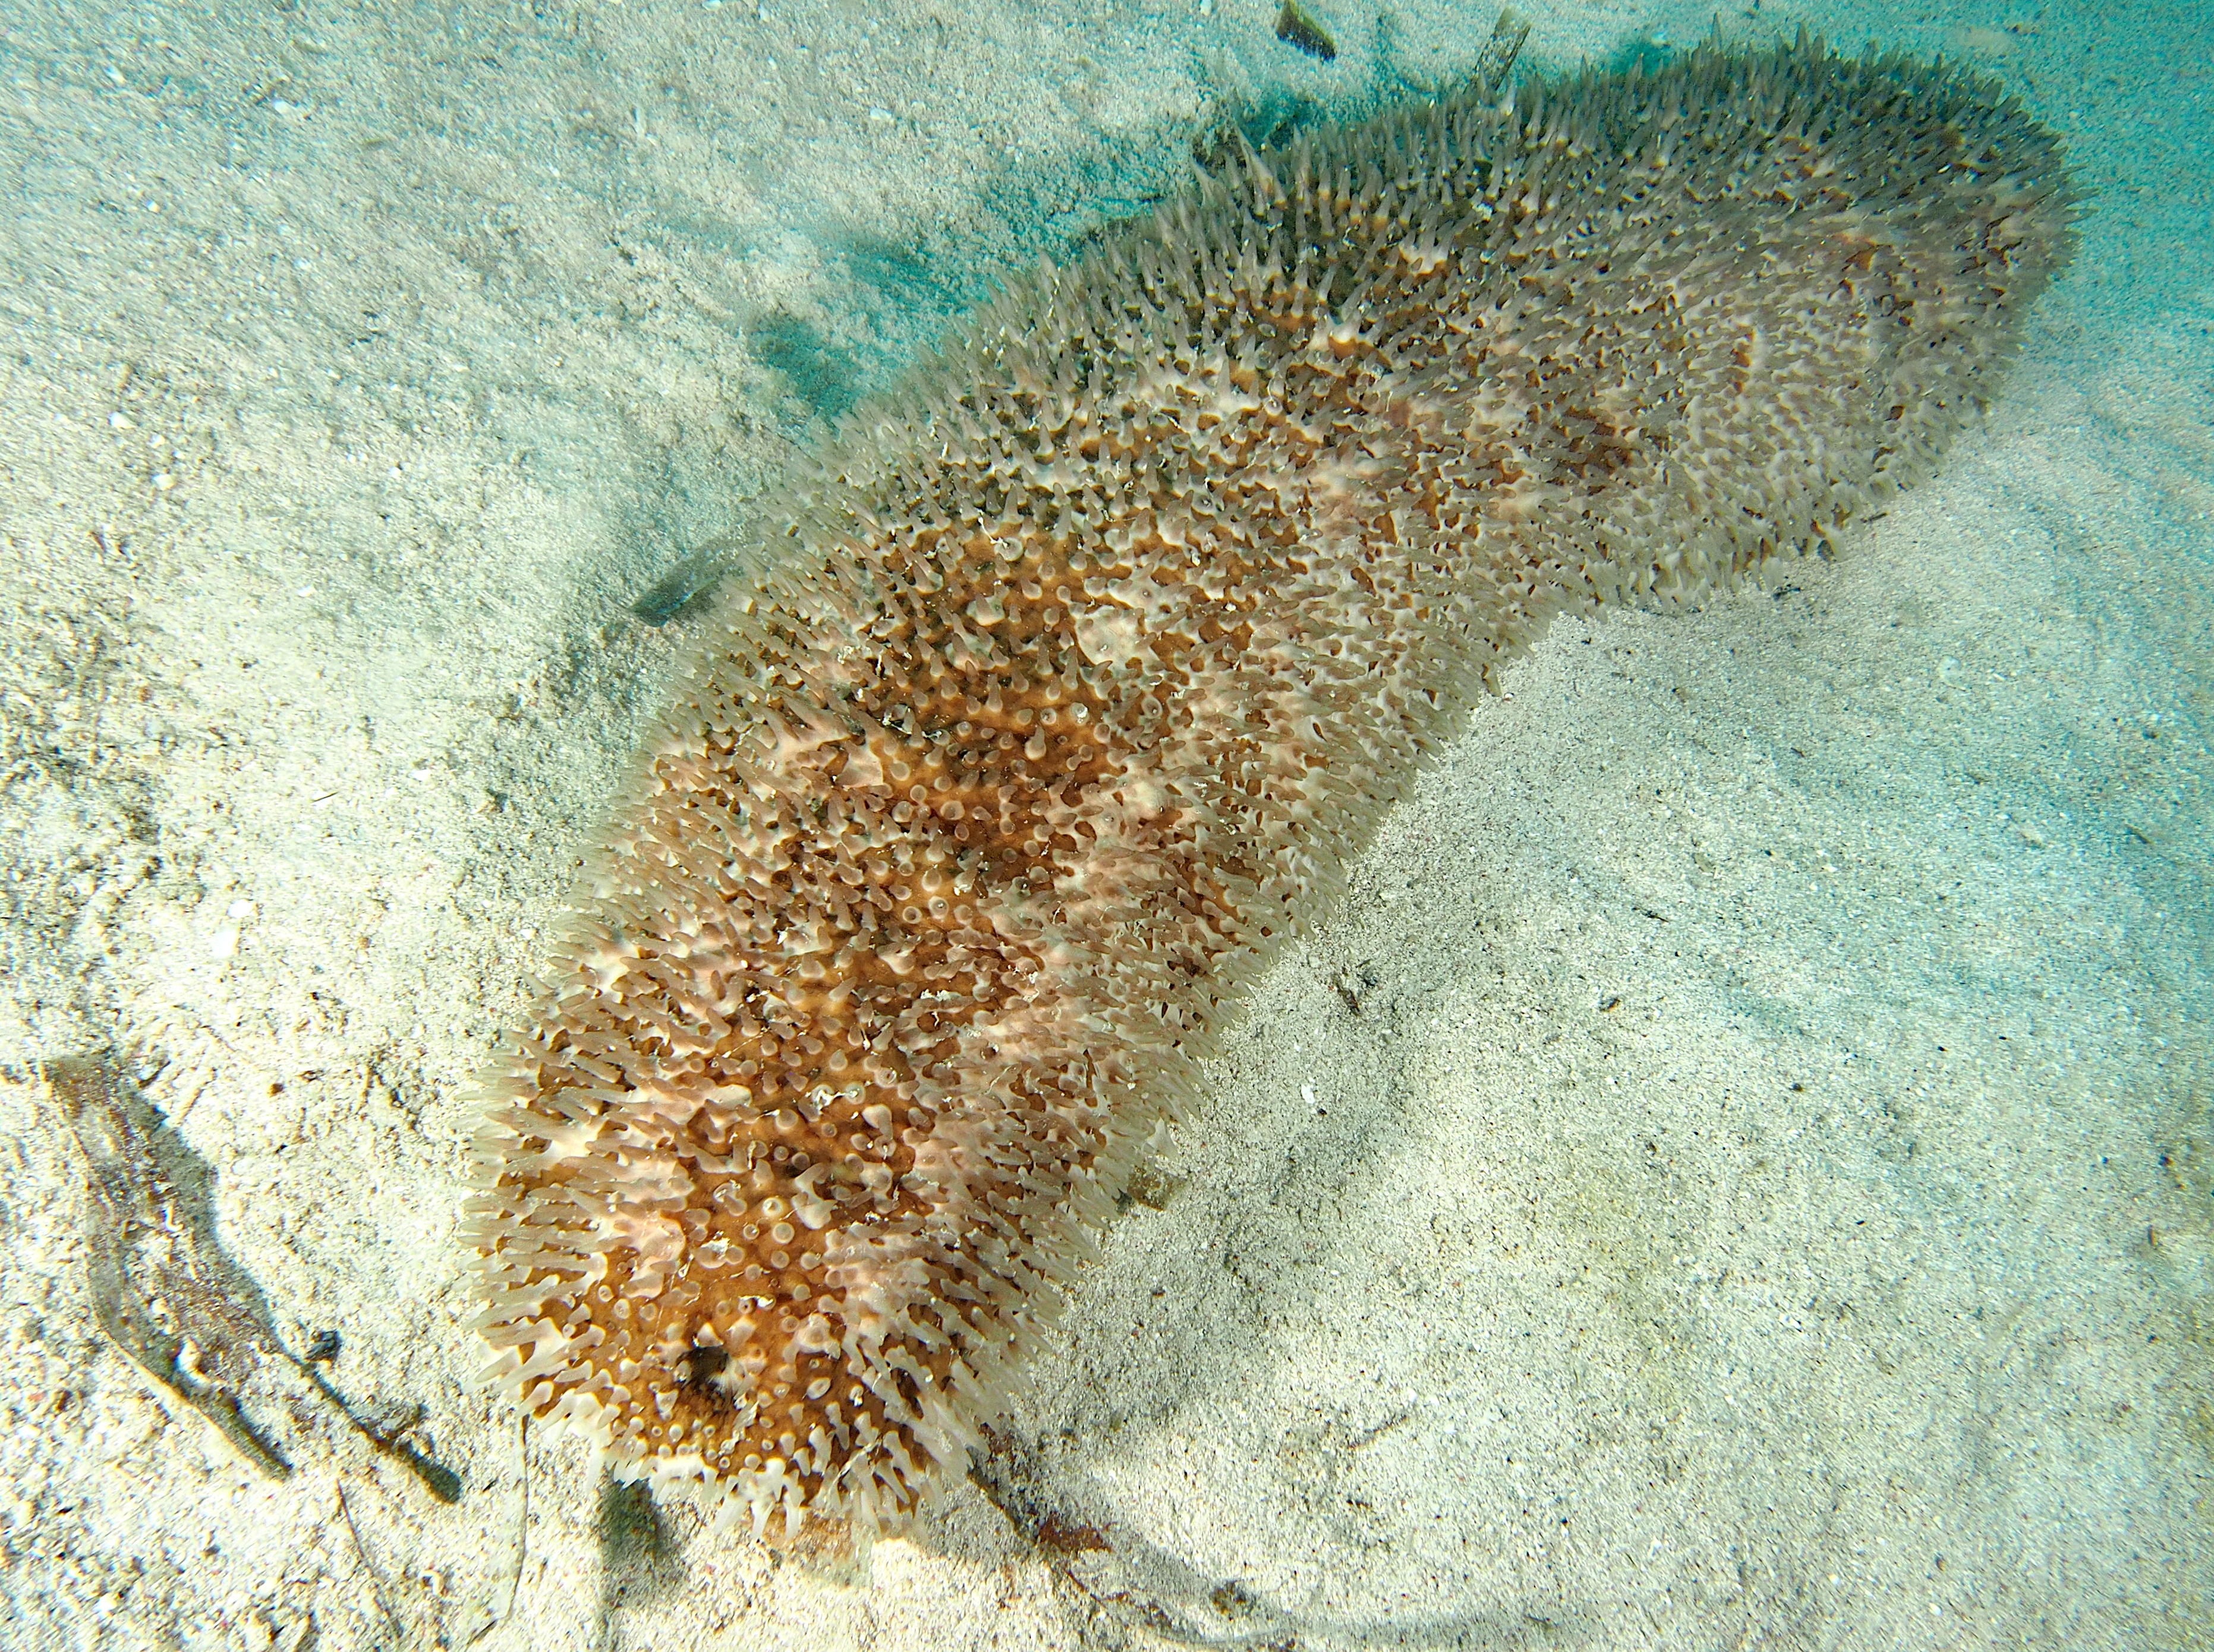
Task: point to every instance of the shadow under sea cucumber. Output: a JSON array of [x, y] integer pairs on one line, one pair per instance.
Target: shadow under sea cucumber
[[1082, 665]]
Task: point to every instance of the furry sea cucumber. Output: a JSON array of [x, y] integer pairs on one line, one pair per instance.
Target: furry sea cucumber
[[1081, 665]]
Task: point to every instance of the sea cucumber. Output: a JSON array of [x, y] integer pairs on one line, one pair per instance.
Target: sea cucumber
[[1081, 665]]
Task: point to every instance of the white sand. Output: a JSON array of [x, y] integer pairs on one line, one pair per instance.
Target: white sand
[[1737, 1172]]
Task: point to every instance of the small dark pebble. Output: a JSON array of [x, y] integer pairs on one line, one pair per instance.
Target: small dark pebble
[[1068, 1538], [687, 585], [1297, 27]]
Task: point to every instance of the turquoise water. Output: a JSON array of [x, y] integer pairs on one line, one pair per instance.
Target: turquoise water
[[1738, 1169]]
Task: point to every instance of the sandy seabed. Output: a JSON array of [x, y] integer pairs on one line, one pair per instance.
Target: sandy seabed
[[1737, 1171]]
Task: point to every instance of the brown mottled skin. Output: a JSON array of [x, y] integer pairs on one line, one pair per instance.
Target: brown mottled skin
[[1085, 662]]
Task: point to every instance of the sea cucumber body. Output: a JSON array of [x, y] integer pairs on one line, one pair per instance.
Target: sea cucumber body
[[1083, 665]]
